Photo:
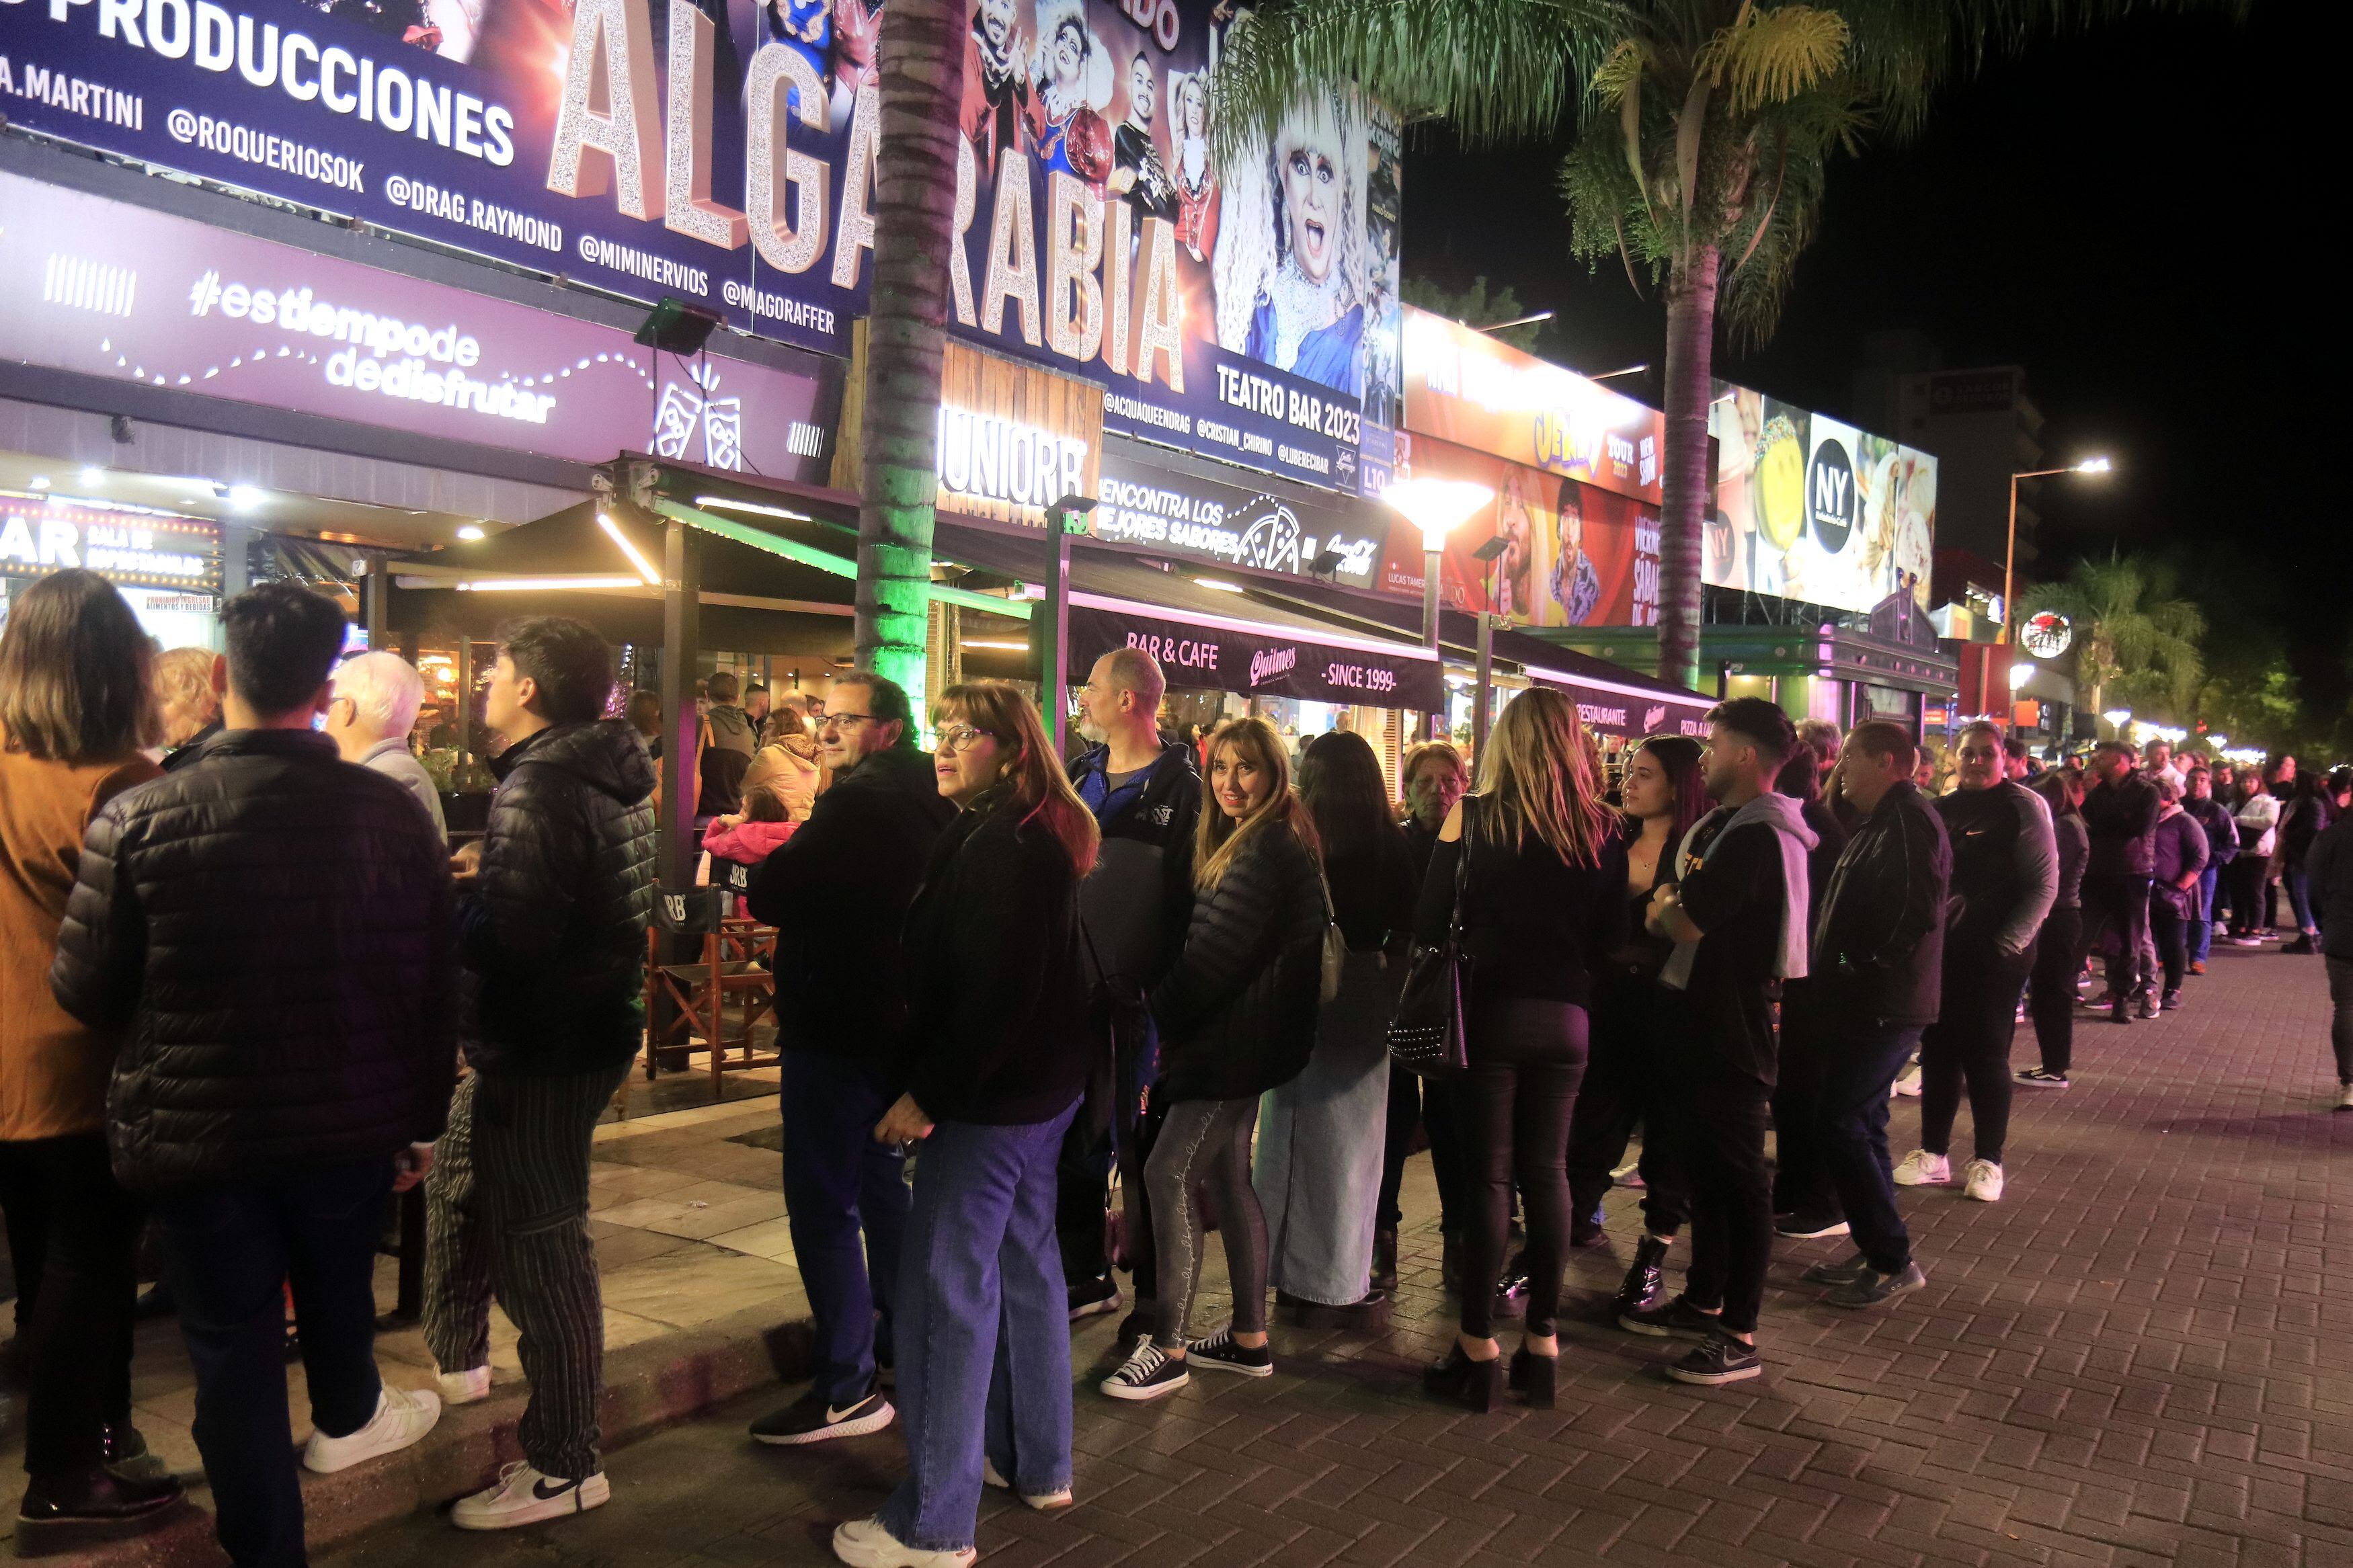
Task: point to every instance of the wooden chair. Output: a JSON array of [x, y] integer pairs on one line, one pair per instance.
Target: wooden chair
[[731, 981]]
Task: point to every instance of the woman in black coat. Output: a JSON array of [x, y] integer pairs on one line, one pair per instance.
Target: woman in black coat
[[992, 1059], [1236, 1017]]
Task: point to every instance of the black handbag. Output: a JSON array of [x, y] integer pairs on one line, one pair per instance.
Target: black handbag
[[1426, 1034]]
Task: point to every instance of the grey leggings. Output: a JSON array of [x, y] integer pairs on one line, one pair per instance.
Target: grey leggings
[[1206, 1143]]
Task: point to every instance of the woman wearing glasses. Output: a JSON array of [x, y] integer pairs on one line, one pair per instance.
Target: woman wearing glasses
[[993, 1058], [1236, 1017]]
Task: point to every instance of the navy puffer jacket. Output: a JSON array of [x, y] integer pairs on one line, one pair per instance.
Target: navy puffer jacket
[[554, 931], [269, 928]]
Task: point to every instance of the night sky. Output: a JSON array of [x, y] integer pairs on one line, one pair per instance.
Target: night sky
[[2132, 214]]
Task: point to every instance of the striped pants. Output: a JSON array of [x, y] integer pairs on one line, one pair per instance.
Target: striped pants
[[506, 1211]]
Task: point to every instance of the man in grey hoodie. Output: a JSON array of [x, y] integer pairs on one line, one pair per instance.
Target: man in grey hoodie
[[1737, 917]]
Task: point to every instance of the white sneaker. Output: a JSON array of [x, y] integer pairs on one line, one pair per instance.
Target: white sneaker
[[1922, 1169], [466, 1387], [524, 1496], [2345, 1098], [400, 1419], [865, 1543], [1983, 1182], [1907, 1083], [1044, 1502]]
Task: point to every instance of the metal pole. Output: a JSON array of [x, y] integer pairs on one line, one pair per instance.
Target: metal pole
[[675, 846], [465, 696], [1053, 633], [2009, 562], [374, 586], [1484, 690], [1437, 721]]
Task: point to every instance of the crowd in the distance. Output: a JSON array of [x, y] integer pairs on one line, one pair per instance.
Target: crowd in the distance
[[234, 992]]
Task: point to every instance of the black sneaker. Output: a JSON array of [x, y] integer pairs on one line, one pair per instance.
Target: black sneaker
[[1673, 1320], [2040, 1077], [1718, 1359], [1093, 1297], [1845, 1273], [814, 1419], [1645, 1286], [1219, 1352], [1137, 1324], [1149, 1373], [1872, 1288], [1810, 1226]]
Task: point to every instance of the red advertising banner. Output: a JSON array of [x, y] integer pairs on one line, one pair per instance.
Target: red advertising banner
[[1575, 554]]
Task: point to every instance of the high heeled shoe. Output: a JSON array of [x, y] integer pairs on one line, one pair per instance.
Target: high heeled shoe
[[1536, 1376], [1476, 1385]]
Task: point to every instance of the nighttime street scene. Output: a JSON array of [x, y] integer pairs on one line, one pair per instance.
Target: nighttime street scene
[[1172, 783]]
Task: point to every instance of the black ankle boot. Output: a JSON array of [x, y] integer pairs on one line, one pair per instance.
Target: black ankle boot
[[1536, 1376], [1385, 1260], [65, 1511], [1476, 1385], [1646, 1281]]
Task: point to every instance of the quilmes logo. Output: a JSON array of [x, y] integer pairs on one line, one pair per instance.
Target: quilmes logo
[[1273, 661], [1652, 717]]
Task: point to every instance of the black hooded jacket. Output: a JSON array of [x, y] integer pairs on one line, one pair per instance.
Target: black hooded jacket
[[269, 928], [554, 931], [838, 891]]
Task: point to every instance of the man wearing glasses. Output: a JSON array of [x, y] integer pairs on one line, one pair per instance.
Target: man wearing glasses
[[838, 892]]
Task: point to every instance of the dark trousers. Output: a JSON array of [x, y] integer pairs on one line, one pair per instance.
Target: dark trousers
[[2299, 898], [1969, 1042], [2116, 910], [233, 1250], [506, 1213], [1427, 1103], [845, 1197], [2050, 987], [73, 1235], [1516, 1101], [2249, 902], [2341, 1027], [1625, 1082], [1860, 1065], [1801, 1177], [1717, 1118], [2170, 929], [1102, 1138]]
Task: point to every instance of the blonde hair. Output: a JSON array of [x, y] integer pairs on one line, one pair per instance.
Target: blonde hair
[[1039, 790], [1218, 838], [183, 677], [1538, 772]]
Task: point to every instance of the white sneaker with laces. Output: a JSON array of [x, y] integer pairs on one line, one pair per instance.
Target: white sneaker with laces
[[466, 1387], [865, 1543], [1907, 1083], [1044, 1502], [1983, 1181], [1922, 1169], [525, 1495], [2345, 1098], [400, 1419]]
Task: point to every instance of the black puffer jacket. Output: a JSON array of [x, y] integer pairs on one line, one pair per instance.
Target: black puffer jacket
[[1237, 1013], [1879, 941], [838, 891], [271, 929], [554, 933], [997, 995]]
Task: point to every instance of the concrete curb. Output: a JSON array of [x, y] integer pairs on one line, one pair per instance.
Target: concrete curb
[[648, 1386]]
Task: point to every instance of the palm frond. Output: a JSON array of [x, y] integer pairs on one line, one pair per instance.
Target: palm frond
[[1770, 56]]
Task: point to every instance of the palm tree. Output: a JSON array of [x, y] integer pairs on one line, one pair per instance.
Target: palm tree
[[1704, 131], [2135, 638], [918, 65]]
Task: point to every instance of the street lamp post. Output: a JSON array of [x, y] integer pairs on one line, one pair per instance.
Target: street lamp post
[[1437, 507], [2010, 551]]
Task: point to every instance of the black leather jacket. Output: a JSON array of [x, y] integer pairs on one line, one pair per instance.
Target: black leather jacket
[[1879, 943], [2122, 820], [271, 928], [554, 931], [1237, 1013]]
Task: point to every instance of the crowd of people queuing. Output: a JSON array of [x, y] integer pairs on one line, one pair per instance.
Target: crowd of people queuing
[[247, 993]]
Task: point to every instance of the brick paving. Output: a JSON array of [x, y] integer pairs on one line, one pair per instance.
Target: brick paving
[[2143, 1355]]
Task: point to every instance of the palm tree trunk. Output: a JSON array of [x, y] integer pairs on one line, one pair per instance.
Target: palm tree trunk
[[919, 67], [1688, 490]]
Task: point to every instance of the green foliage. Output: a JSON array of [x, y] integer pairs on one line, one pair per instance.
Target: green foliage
[[2136, 640], [1476, 306]]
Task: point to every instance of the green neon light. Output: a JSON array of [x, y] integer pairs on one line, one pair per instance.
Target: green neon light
[[825, 560]]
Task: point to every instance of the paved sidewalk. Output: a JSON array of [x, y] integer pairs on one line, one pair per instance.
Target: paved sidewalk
[[2143, 1355]]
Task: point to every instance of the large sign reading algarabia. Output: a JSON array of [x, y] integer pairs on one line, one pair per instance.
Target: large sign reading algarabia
[[723, 152]]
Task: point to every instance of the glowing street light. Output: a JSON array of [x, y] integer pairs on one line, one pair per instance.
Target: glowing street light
[[1437, 507], [2117, 718], [2094, 467]]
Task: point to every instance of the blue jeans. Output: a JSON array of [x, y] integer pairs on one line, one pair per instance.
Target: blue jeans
[[232, 1250], [845, 1197], [2201, 930], [1859, 1069], [984, 1366], [2299, 898]]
